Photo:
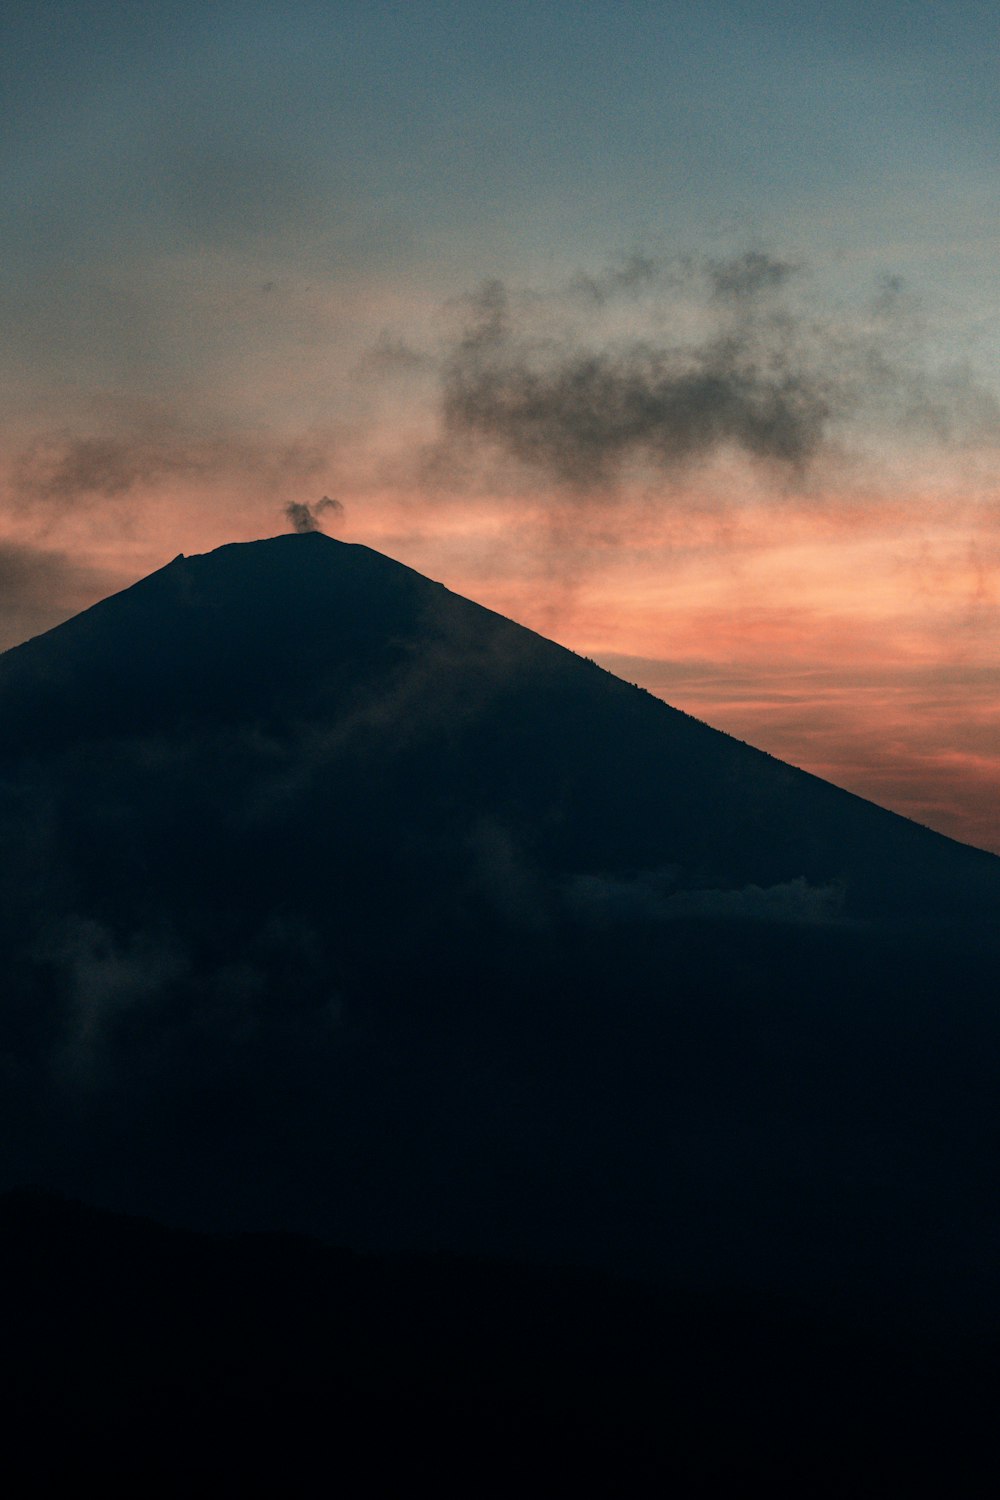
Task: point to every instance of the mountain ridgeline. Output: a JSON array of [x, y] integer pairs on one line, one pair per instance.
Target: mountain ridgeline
[[334, 902]]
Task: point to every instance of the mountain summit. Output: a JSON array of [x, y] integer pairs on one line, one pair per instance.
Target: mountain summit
[[333, 901]]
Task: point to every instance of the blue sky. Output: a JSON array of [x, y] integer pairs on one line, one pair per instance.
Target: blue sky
[[517, 134]]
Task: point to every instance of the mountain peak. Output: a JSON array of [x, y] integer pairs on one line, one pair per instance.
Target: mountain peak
[[303, 633], [331, 899]]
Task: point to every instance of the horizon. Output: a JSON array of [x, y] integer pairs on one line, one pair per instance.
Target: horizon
[[669, 334]]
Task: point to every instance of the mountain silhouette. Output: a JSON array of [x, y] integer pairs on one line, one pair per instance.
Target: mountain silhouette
[[332, 901], [301, 638]]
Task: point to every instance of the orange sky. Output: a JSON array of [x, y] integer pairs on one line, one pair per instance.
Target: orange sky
[[864, 654], [799, 546], [857, 640]]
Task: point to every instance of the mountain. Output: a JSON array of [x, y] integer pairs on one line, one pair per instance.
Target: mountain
[[286, 643], [158, 1362], [333, 902]]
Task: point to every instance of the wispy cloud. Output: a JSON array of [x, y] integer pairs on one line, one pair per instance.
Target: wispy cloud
[[729, 356], [38, 588], [131, 454], [655, 896], [582, 415]]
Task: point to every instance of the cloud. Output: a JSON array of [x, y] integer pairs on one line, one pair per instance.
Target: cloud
[[106, 976], [392, 355], [305, 518], [55, 469], [150, 1003], [793, 901], [582, 413], [40, 588], [653, 896], [748, 275], [633, 274], [139, 452], [650, 367]]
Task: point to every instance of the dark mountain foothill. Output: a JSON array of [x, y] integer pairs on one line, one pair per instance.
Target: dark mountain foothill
[[333, 903], [162, 1362]]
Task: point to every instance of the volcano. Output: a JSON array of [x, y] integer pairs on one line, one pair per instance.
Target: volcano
[[333, 902]]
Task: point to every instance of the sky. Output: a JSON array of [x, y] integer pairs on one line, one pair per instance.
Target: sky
[[669, 330]]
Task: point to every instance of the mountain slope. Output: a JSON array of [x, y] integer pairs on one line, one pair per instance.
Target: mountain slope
[[333, 901], [340, 654]]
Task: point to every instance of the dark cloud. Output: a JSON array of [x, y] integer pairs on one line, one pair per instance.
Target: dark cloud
[[730, 354], [889, 292], [305, 518], [63, 466], [38, 589], [582, 413], [26, 571], [636, 273], [748, 275], [393, 355]]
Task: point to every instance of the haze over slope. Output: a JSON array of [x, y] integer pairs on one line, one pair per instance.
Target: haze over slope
[[332, 900]]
